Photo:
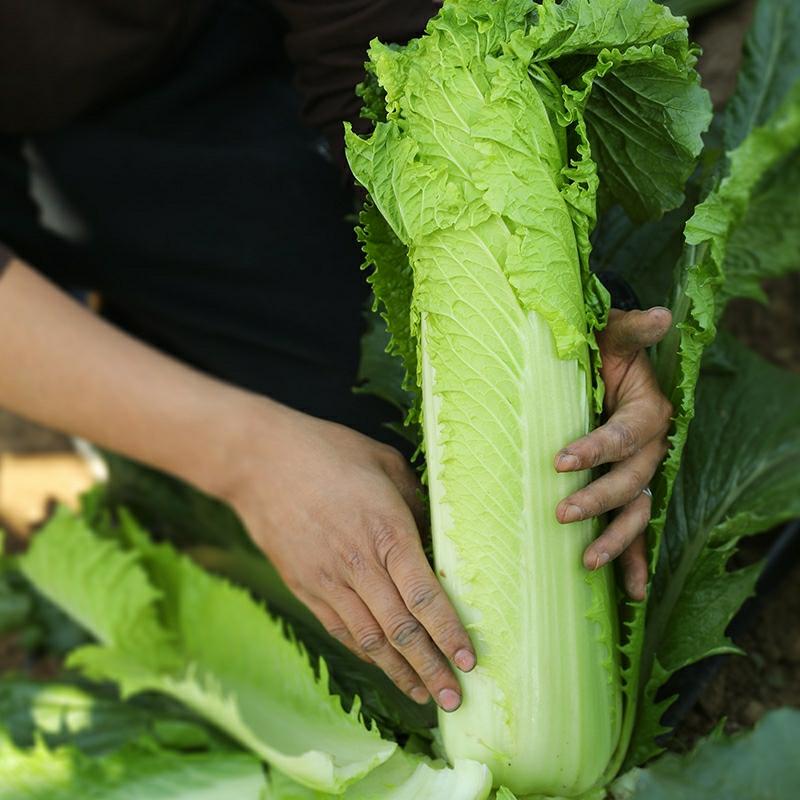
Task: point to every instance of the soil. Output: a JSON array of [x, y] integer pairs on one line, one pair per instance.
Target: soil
[[746, 686]]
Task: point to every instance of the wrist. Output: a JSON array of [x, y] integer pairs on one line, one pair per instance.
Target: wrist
[[246, 442]]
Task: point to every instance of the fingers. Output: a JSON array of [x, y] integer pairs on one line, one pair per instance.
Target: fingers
[[411, 608], [334, 625], [369, 638], [633, 563], [622, 484], [629, 332], [619, 534], [627, 432], [425, 599], [409, 638]]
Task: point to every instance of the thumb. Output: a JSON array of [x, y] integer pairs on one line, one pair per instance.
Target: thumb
[[628, 332]]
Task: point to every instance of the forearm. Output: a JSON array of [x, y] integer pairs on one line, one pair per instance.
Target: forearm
[[63, 367]]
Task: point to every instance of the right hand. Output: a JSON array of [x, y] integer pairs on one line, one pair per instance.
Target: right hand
[[338, 515]]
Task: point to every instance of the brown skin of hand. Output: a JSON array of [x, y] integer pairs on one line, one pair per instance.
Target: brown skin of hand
[[633, 440]]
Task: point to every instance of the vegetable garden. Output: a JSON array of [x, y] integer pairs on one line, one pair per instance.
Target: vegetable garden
[[516, 149]]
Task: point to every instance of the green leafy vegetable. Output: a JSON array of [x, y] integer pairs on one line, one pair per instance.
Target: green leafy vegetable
[[702, 289], [93, 719], [759, 764], [133, 773], [164, 624], [482, 173], [402, 777], [736, 479]]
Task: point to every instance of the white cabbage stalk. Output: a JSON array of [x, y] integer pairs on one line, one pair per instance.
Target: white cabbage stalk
[[542, 707]]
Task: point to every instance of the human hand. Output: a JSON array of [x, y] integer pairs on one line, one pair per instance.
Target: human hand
[[338, 515], [633, 440]]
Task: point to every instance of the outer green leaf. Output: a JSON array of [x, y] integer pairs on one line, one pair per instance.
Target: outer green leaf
[[379, 372], [740, 476], [766, 244], [646, 111], [15, 603], [576, 26], [100, 586], [93, 720], [133, 773], [165, 505], [382, 701], [388, 367], [757, 765], [645, 163], [402, 777], [716, 219], [267, 697], [699, 300], [770, 70]]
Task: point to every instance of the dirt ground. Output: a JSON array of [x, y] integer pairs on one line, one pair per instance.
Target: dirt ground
[[746, 686]]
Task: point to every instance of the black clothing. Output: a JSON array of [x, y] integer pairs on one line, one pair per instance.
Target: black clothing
[[210, 219], [59, 60]]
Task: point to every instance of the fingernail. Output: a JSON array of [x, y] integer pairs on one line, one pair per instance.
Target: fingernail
[[465, 660], [572, 513], [601, 560], [449, 700], [657, 308], [420, 695], [567, 462]]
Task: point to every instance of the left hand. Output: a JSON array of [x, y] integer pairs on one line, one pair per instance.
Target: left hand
[[633, 440]]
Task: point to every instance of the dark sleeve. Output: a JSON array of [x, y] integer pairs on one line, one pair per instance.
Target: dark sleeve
[[622, 293], [59, 59], [327, 42]]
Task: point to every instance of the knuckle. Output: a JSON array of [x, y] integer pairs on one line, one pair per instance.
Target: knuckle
[[421, 597], [594, 454], [386, 539], [635, 483], [450, 635], [406, 632], [597, 501], [434, 669], [371, 641], [339, 632], [624, 439]]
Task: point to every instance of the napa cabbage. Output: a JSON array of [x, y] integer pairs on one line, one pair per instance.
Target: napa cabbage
[[483, 172]]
